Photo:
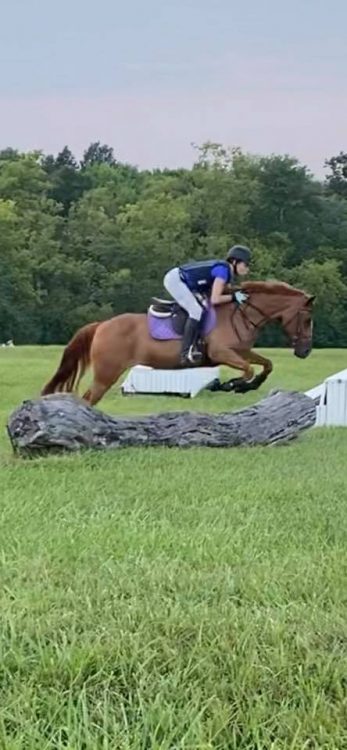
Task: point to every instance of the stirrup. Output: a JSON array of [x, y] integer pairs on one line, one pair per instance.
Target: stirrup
[[194, 355], [191, 357]]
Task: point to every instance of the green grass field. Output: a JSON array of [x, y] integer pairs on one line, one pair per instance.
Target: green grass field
[[174, 600]]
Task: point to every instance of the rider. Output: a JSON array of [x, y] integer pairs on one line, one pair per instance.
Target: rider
[[208, 278]]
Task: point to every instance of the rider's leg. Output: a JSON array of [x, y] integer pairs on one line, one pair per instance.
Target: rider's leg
[[185, 298]]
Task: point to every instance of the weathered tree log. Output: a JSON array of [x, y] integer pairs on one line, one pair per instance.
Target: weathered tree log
[[65, 423]]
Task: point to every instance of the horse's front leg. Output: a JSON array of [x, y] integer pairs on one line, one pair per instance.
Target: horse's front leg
[[256, 359], [237, 384], [221, 355]]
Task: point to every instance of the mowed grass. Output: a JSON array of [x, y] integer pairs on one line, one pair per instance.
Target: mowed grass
[[174, 599]]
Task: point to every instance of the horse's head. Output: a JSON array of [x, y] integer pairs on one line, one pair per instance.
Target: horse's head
[[298, 325], [290, 306]]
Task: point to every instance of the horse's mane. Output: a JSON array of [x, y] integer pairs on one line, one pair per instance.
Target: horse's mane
[[271, 287]]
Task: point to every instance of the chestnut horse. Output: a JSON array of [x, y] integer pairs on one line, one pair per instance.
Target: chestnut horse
[[114, 345]]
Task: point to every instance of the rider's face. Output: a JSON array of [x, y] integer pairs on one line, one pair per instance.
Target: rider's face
[[241, 268]]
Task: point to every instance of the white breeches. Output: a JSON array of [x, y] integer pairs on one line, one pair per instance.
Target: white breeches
[[180, 292]]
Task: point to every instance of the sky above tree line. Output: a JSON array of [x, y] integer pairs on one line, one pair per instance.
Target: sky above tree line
[[151, 77]]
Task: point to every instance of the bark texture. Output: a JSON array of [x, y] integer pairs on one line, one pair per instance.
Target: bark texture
[[65, 423]]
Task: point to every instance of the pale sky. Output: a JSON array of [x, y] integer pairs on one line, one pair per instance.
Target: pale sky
[[149, 77]]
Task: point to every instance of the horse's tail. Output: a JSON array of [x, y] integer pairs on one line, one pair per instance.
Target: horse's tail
[[74, 362]]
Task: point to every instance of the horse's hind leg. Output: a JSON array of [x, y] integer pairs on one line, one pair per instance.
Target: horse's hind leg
[[101, 385], [104, 378], [95, 392], [107, 364]]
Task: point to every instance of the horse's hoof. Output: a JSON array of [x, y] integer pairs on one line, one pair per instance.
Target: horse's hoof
[[243, 386], [235, 385], [215, 385]]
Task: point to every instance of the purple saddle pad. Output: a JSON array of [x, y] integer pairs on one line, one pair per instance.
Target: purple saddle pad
[[161, 328]]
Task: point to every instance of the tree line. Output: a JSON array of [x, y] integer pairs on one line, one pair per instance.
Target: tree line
[[85, 240]]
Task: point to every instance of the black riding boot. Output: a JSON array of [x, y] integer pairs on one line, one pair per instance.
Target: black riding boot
[[190, 357]]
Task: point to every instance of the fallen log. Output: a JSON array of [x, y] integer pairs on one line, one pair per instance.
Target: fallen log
[[62, 422]]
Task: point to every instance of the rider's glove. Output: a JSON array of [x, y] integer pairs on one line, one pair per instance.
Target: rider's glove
[[240, 297]]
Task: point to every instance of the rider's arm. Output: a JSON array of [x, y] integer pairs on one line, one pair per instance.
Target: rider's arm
[[217, 295], [220, 285]]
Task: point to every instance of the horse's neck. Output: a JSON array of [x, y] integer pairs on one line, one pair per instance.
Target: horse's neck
[[248, 320], [270, 306], [261, 308]]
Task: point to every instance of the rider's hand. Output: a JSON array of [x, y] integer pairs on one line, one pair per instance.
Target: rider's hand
[[240, 297]]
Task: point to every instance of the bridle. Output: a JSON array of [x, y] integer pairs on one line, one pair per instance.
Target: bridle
[[298, 335]]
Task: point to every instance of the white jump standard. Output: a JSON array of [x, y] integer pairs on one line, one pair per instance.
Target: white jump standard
[[331, 395], [187, 382]]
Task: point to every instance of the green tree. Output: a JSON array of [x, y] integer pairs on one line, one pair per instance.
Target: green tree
[[22, 179], [67, 181], [225, 191], [98, 153], [330, 313], [337, 179], [18, 298], [81, 241], [123, 182], [154, 235]]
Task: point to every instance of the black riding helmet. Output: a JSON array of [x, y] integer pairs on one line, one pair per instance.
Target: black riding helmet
[[239, 253]]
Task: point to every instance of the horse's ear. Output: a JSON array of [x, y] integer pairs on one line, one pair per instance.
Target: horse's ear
[[310, 300]]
